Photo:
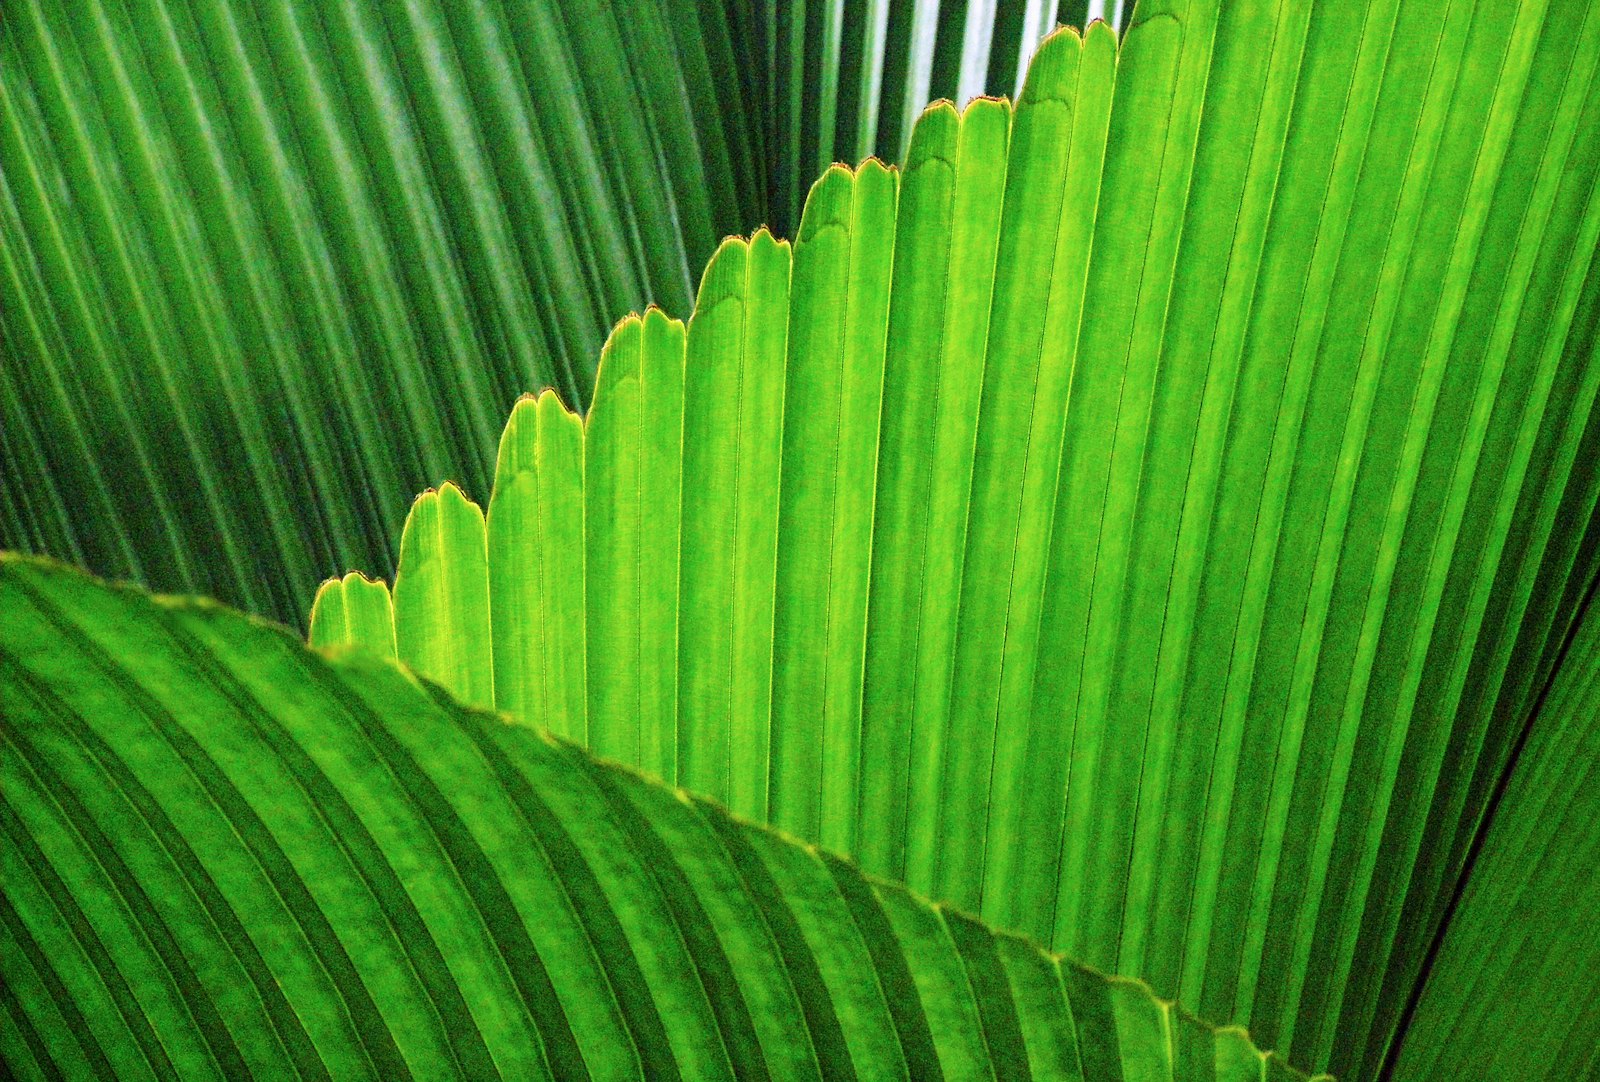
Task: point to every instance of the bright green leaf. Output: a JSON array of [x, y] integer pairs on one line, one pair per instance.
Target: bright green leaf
[[441, 595], [354, 611], [1227, 494], [536, 547]]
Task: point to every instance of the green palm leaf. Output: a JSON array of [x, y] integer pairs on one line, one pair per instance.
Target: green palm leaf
[[231, 234], [236, 857], [1513, 958], [1139, 520]]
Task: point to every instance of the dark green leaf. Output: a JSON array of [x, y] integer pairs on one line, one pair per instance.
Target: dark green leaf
[[228, 855]]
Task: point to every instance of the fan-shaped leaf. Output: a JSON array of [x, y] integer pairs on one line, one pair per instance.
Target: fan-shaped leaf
[[1229, 401]]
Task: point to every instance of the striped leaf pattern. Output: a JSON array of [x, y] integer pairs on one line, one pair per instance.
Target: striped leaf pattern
[[264, 263], [227, 856], [1144, 519], [849, 80], [1512, 955]]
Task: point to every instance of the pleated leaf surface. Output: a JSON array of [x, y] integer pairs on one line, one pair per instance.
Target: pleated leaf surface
[[1513, 959], [264, 263], [228, 856], [1145, 519]]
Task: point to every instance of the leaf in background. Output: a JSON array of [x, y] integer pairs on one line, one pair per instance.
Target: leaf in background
[[1164, 582], [227, 854], [1519, 953], [264, 263], [260, 251]]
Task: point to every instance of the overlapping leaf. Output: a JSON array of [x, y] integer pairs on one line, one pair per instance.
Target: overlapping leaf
[[226, 856], [1519, 953], [1151, 537]]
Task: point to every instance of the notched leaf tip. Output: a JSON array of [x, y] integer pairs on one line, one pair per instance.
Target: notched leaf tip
[[630, 318], [433, 493]]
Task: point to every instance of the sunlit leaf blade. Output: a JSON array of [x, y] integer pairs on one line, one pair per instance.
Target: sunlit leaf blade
[[1513, 959], [633, 469], [728, 534], [226, 854], [838, 320], [441, 595], [939, 316], [1229, 497], [354, 611], [536, 545]]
